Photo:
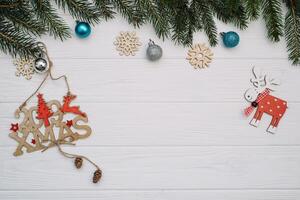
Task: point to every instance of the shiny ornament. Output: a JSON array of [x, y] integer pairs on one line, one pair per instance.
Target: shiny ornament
[[154, 52], [230, 39], [82, 29], [41, 65]]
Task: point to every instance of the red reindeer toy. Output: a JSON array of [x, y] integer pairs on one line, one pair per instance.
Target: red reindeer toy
[[260, 98], [66, 108]]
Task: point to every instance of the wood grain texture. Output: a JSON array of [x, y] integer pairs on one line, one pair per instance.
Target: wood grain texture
[[183, 124], [169, 80], [161, 130], [153, 194], [156, 168]]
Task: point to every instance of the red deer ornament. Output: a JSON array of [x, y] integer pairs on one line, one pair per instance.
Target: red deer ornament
[[66, 108], [260, 98]]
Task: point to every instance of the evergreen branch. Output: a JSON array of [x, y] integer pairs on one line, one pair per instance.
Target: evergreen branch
[[230, 11], [293, 3], [15, 42], [272, 14], [292, 35], [182, 29], [208, 23], [55, 24], [154, 12], [128, 9], [252, 8], [237, 13], [22, 18], [81, 10], [106, 9], [10, 4]]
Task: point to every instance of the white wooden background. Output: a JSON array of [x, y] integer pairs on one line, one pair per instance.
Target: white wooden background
[[161, 131]]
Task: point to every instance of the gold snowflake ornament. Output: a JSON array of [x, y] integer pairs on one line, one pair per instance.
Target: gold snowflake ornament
[[199, 56], [25, 67], [127, 43]]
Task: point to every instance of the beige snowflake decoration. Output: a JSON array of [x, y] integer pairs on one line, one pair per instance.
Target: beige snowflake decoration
[[25, 67], [127, 43], [199, 56]]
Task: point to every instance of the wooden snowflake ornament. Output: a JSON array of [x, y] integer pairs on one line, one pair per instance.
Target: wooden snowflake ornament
[[199, 56], [25, 67], [127, 43]]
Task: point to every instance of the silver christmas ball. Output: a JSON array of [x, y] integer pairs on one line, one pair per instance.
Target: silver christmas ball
[[154, 52], [41, 65]]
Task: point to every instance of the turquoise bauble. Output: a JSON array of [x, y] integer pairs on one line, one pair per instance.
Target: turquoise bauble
[[230, 39], [83, 29]]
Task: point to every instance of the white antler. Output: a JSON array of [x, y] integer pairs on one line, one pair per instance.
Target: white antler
[[259, 80], [262, 80]]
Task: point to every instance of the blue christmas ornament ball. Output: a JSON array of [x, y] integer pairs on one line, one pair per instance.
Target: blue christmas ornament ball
[[82, 29], [230, 39]]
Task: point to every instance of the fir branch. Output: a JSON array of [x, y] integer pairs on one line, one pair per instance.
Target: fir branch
[[106, 9], [81, 10], [154, 11], [128, 9], [14, 41], [55, 24], [182, 29], [207, 21], [295, 4], [292, 35], [252, 8], [10, 4], [272, 14], [23, 18], [230, 11], [237, 13]]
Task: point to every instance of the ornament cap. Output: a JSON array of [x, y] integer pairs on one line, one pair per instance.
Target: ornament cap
[[151, 42]]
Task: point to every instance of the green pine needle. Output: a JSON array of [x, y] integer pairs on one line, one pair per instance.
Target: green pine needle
[[81, 10], [272, 14], [55, 24], [14, 41], [253, 9], [292, 36], [208, 23], [105, 8]]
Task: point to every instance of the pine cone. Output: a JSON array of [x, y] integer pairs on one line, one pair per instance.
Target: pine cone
[[97, 176], [78, 162]]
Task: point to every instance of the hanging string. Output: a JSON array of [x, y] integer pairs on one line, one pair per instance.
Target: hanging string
[[58, 143], [43, 49]]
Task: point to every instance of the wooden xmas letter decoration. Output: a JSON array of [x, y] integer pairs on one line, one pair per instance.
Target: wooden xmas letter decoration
[[40, 122]]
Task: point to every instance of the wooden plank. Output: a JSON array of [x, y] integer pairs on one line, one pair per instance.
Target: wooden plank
[[157, 124], [146, 168], [150, 195], [140, 81], [254, 43]]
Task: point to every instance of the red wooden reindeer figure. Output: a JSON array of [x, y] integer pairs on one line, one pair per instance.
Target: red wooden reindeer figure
[[66, 108], [260, 98]]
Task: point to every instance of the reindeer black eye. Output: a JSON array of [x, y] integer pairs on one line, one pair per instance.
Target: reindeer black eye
[[248, 96]]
